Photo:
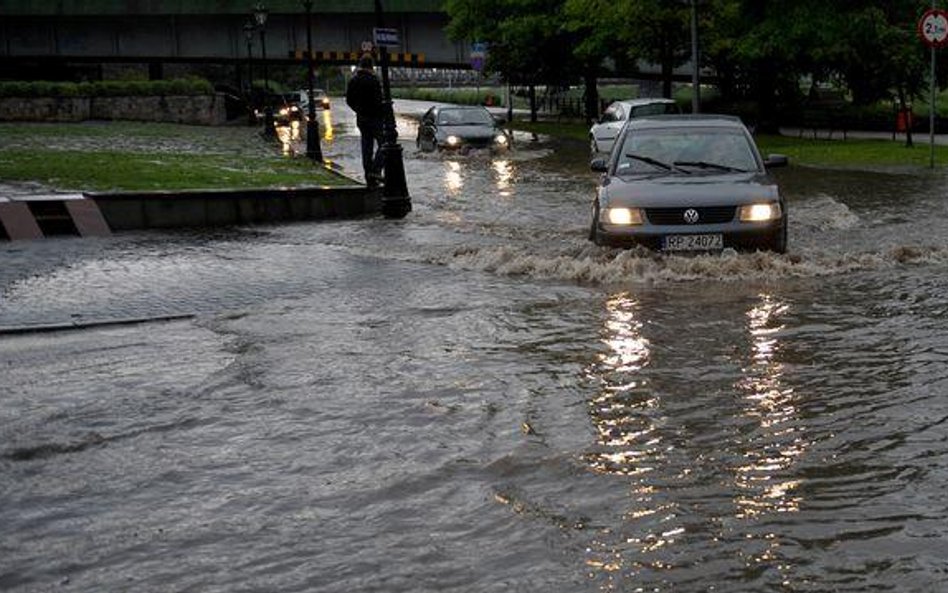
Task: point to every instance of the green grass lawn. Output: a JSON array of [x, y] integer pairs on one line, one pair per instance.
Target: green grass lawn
[[130, 156]]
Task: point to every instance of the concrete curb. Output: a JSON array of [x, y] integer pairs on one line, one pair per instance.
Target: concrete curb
[[100, 213], [203, 208]]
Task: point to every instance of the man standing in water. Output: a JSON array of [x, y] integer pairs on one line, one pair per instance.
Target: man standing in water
[[364, 96]]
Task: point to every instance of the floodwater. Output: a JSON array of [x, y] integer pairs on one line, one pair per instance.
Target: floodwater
[[476, 399]]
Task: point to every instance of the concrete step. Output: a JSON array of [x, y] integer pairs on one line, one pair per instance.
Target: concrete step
[[39, 216]]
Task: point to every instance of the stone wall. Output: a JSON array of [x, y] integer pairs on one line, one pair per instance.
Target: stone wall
[[198, 110]]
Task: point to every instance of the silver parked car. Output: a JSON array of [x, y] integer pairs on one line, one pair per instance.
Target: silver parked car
[[460, 127], [688, 183], [602, 135]]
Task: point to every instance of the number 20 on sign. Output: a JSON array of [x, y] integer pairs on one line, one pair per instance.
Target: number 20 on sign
[[933, 27]]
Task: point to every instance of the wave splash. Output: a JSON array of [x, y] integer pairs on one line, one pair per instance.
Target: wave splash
[[601, 266]]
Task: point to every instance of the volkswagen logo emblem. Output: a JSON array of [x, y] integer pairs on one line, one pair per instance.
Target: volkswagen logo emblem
[[691, 216]]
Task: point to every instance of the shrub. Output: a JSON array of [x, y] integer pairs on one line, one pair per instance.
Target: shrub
[[107, 88]]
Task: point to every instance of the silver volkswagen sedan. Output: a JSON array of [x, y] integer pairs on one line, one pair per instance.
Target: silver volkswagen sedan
[[688, 183]]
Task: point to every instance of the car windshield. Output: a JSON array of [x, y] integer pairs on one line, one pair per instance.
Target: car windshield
[[465, 117], [685, 150]]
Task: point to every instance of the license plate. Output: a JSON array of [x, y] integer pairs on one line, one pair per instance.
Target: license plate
[[693, 242]]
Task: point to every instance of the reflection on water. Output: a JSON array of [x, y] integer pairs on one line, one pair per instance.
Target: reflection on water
[[623, 411], [453, 182], [328, 131], [504, 175], [289, 137], [775, 446]]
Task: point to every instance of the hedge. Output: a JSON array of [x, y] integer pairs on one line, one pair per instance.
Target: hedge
[[107, 88]]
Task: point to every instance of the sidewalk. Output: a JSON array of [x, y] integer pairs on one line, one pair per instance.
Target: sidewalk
[[918, 136]]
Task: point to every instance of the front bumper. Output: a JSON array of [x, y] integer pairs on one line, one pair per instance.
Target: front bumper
[[738, 236]]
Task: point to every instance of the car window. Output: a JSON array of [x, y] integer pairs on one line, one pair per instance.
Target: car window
[[694, 149], [465, 117], [655, 109]]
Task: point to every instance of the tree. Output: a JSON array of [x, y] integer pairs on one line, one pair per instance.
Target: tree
[[528, 43]]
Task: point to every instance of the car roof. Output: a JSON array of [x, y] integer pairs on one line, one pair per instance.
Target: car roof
[[464, 107], [688, 120], [640, 102]]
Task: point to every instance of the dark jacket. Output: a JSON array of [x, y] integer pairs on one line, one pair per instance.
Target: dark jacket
[[364, 95]]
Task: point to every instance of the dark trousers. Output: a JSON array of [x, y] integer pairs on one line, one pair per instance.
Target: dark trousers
[[371, 132]]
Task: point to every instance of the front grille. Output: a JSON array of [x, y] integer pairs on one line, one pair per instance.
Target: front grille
[[676, 216], [478, 142]]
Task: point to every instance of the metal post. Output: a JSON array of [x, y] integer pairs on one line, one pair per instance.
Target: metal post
[[931, 113], [260, 14], [931, 108], [695, 82], [248, 33], [313, 149], [396, 202]]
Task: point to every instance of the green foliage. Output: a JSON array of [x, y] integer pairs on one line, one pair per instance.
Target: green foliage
[[107, 88]]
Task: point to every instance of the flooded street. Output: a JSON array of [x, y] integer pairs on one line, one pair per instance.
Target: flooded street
[[478, 399]]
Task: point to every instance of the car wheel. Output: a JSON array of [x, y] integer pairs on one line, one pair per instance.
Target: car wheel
[[779, 243], [593, 227]]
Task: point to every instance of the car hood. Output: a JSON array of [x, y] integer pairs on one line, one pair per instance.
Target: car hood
[[688, 190], [468, 131]]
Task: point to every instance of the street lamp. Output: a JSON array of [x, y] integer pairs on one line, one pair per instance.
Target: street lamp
[[313, 150], [260, 14], [249, 29], [396, 202]]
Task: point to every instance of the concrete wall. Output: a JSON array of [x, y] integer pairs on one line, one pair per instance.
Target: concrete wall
[[199, 110]]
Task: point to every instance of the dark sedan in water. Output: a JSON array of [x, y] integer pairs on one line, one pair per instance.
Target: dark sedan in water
[[459, 127], [688, 183]]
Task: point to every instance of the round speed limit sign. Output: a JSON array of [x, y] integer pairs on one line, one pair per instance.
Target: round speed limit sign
[[933, 27]]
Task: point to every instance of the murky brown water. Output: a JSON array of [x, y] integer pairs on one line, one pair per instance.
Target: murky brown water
[[477, 399]]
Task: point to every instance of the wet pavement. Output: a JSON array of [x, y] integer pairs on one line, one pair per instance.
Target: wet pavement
[[475, 398]]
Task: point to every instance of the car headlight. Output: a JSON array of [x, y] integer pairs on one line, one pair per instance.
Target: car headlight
[[452, 140], [760, 212], [500, 139], [622, 216]]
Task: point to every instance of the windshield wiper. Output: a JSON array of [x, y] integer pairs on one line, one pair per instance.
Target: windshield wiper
[[654, 162], [708, 165]]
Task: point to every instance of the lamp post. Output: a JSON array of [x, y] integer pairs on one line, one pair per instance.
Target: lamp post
[[313, 150], [248, 34], [396, 202], [260, 14]]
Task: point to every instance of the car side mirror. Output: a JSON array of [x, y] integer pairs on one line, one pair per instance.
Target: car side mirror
[[776, 160], [599, 165]]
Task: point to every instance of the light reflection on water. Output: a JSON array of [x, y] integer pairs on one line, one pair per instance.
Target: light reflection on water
[[635, 430], [777, 445], [622, 412]]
